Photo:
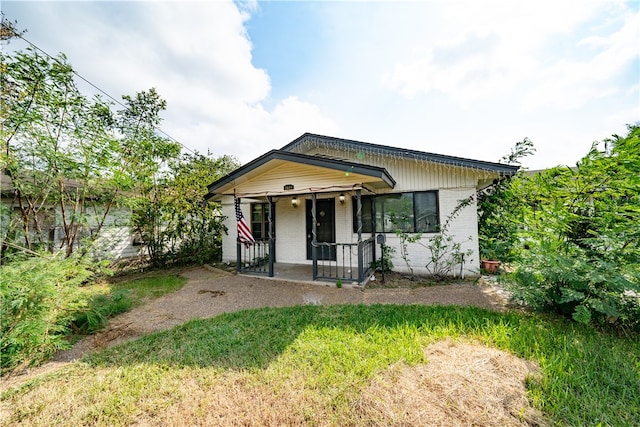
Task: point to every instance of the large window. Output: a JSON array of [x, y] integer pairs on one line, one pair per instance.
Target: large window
[[411, 212], [260, 220]]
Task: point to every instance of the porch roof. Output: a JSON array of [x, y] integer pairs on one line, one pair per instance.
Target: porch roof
[[253, 176]]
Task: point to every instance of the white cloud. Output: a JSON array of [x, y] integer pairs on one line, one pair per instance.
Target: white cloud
[[463, 78], [509, 46], [196, 54]]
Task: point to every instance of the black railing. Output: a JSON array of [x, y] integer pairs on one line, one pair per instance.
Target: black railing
[[344, 261], [254, 257]]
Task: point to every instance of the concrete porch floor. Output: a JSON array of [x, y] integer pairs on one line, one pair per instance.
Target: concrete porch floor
[[302, 273]]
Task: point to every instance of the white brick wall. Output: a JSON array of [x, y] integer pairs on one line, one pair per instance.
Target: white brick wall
[[464, 229]]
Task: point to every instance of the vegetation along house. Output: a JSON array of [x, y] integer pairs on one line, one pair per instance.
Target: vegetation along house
[[328, 203]]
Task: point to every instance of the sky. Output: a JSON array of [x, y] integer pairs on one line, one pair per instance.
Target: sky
[[464, 78]]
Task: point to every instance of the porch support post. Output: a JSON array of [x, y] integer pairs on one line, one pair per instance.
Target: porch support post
[[272, 242], [238, 247], [314, 234], [360, 249]]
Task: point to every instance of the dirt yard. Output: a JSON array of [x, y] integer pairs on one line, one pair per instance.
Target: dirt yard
[[210, 292]]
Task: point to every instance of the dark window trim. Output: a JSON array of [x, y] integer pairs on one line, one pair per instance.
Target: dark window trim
[[264, 228], [369, 199]]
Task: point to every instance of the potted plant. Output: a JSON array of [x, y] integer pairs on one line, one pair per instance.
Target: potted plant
[[490, 250]]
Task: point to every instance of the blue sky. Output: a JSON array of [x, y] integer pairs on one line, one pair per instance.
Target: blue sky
[[463, 78]]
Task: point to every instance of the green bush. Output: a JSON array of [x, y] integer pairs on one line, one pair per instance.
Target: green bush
[[580, 234], [40, 297], [385, 261]]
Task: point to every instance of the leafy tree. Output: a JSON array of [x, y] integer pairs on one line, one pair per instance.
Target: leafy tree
[[194, 227], [500, 210], [55, 146], [175, 220], [580, 227], [141, 154]]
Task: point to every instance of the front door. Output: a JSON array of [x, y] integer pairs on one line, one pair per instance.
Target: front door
[[325, 228]]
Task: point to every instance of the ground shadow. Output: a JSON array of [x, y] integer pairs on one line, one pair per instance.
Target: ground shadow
[[251, 339]]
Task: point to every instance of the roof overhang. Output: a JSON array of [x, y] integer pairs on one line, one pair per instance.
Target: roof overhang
[[255, 178], [357, 146]]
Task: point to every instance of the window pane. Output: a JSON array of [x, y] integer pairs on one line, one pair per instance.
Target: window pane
[[394, 211], [256, 230], [427, 220], [366, 214], [256, 212]]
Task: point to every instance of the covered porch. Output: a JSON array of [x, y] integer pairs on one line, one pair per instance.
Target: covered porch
[[306, 216], [330, 256]]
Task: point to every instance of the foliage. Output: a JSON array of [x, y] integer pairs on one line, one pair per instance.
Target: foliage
[[325, 356], [500, 211], [99, 309], [49, 157], [45, 300], [580, 226], [40, 297], [399, 220], [445, 253], [175, 223], [71, 160], [386, 258]]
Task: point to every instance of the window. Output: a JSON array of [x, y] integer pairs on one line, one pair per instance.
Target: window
[[411, 212], [260, 220]]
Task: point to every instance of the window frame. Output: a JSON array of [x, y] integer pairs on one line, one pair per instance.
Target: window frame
[[370, 220], [264, 221]]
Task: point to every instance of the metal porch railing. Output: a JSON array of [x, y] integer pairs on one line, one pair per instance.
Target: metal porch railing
[[254, 257], [344, 261]]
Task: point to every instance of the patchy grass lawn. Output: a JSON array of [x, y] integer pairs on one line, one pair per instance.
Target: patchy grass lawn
[[346, 365], [110, 299]]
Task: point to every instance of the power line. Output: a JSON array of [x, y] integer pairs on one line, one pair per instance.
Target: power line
[[117, 101]]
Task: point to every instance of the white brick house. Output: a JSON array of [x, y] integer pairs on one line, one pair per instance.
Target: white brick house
[[323, 201]]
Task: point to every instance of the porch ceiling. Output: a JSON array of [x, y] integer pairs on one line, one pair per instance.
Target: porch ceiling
[[268, 175]]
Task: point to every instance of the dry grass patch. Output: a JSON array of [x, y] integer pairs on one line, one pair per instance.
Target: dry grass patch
[[463, 384]]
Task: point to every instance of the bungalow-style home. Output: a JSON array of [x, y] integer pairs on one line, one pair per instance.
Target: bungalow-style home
[[329, 203]]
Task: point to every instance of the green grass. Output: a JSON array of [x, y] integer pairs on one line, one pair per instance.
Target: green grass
[[118, 298], [150, 287], [587, 377]]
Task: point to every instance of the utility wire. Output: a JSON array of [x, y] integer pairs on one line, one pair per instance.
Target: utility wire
[[102, 91]]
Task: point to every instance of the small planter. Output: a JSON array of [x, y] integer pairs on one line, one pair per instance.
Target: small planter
[[490, 266]]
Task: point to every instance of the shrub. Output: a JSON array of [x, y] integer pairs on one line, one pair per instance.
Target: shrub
[[40, 297], [385, 261], [580, 228]]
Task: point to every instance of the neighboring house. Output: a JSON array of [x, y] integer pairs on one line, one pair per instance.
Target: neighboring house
[[324, 202], [115, 241]]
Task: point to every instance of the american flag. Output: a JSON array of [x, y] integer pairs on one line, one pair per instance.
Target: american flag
[[244, 232]]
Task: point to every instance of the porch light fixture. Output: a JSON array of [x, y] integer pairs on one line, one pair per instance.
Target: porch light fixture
[[294, 202], [341, 198]]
